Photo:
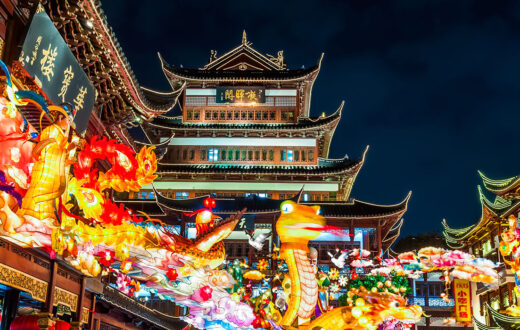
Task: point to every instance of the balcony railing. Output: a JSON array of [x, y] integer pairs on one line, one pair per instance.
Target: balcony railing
[[432, 302]]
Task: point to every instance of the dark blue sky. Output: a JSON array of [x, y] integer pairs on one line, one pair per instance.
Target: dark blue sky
[[432, 86]]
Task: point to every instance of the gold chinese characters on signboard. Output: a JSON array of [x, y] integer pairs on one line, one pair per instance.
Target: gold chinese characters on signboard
[[462, 296], [247, 94]]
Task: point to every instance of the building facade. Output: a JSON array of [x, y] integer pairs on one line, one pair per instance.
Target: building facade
[[244, 134], [30, 281], [483, 240]]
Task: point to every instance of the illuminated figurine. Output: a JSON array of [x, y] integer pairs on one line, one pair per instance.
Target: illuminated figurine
[[297, 225], [236, 271], [257, 242]]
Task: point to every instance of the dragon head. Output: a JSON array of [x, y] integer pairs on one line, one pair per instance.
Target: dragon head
[[299, 223], [386, 306]]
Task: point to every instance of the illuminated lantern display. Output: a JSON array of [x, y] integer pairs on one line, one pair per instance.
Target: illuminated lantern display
[[58, 200]]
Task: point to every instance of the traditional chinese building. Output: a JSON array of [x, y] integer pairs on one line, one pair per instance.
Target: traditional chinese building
[[483, 240], [30, 281], [244, 133]]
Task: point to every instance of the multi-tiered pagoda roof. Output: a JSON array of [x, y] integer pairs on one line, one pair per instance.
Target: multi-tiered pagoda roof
[[201, 123], [505, 203]]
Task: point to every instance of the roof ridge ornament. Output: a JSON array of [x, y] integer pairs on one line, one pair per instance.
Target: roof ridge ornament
[[244, 38]]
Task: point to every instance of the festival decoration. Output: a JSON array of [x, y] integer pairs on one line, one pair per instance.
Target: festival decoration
[[297, 225], [258, 241], [262, 265], [338, 259], [254, 275], [369, 311], [333, 274], [54, 196]]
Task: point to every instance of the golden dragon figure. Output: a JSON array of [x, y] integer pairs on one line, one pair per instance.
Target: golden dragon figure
[[372, 309]]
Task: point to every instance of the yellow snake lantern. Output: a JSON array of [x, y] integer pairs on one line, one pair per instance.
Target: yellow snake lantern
[[297, 225]]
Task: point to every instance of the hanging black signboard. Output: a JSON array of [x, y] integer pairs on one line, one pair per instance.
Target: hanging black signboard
[[48, 59]]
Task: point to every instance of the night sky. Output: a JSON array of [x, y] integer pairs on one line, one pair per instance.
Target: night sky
[[432, 86]]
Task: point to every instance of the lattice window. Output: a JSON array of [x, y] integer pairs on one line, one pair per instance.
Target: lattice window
[[286, 101], [212, 101], [196, 101]]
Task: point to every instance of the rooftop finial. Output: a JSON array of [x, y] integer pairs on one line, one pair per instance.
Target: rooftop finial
[[244, 38]]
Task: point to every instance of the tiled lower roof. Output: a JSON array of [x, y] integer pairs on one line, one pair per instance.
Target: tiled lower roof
[[254, 204], [324, 166]]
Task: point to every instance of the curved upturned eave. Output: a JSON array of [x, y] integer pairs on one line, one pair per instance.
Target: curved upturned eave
[[503, 320], [486, 206], [377, 210], [482, 326], [392, 235], [324, 152], [499, 186], [137, 98]]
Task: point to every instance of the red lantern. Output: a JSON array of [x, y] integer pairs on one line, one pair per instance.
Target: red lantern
[[210, 203]]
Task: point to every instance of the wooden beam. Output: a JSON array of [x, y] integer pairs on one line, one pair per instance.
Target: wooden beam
[[49, 301], [379, 243], [92, 312], [81, 296]]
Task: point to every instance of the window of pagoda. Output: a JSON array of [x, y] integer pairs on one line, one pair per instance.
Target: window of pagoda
[[245, 155]]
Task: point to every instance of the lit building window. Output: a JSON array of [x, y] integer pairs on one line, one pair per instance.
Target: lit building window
[[289, 155], [305, 197], [213, 155], [486, 247], [181, 195], [262, 195]]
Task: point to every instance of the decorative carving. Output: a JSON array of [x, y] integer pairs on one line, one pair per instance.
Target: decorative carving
[[12, 277], [41, 263], [4, 244], [67, 274], [21, 252], [2, 45], [66, 298], [84, 315], [212, 55], [122, 301]]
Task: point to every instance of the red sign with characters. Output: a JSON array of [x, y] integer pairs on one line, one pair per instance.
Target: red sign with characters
[[462, 296]]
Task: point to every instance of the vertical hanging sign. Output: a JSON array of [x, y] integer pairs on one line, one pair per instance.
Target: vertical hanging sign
[[462, 296], [48, 60]]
